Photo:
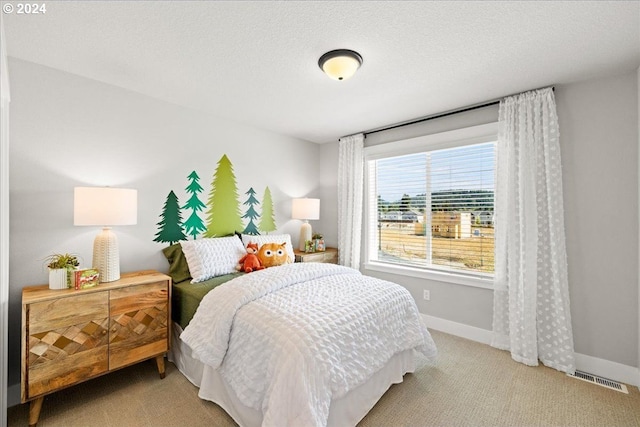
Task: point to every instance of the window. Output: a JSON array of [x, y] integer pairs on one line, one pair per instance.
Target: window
[[430, 205]]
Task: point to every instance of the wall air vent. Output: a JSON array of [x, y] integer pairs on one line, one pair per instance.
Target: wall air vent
[[604, 382]]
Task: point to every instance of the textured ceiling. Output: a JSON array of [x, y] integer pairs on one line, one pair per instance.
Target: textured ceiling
[[256, 62]]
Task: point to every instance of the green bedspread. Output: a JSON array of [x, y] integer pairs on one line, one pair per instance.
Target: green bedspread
[[187, 296]]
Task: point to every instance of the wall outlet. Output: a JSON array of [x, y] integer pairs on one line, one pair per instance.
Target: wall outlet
[[426, 295]]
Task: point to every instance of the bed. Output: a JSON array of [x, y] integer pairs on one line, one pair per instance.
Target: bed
[[302, 344]]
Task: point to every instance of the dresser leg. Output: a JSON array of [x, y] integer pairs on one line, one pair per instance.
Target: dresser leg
[[160, 363], [34, 411]]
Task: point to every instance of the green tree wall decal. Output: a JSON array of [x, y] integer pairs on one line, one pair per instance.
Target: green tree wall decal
[[170, 226], [251, 213], [223, 216], [194, 224], [267, 220]]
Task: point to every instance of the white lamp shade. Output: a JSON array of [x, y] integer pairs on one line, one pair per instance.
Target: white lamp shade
[[305, 209], [105, 206]]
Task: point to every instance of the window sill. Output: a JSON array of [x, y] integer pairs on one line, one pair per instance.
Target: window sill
[[458, 279]]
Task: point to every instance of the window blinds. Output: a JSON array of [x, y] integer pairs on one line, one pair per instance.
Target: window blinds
[[434, 209]]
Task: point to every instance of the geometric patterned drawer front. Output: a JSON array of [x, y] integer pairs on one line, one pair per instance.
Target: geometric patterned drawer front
[[67, 341], [58, 343], [136, 325]]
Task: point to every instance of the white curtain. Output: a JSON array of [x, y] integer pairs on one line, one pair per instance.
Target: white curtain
[[350, 176], [531, 316]]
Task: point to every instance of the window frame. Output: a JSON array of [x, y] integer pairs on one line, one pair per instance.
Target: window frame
[[438, 141]]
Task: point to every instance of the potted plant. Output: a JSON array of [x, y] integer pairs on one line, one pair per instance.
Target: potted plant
[[61, 266]]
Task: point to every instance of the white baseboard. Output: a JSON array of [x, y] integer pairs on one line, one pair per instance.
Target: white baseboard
[[607, 369], [601, 367], [458, 329], [13, 395]]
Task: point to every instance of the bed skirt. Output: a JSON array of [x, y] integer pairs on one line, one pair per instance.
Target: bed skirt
[[345, 411]]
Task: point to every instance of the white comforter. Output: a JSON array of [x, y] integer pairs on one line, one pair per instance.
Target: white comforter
[[291, 338]]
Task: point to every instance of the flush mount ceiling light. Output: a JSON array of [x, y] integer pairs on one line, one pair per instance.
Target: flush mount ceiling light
[[340, 64]]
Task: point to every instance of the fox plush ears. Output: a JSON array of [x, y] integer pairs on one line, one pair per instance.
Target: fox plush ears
[[272, 254]]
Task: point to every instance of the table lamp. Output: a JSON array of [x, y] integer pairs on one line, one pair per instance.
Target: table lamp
[[305, 209], [106, 207]]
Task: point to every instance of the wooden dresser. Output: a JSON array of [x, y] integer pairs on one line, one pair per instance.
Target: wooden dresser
[[71, 336], [330, 255]]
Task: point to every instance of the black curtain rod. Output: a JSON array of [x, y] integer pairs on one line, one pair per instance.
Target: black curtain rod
[[448, 113], [424, 119]]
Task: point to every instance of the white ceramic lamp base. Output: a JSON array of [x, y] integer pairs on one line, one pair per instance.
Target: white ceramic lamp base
[[305, 234], [106, 256]]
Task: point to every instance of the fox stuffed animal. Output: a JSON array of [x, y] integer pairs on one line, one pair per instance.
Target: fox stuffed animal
[[250, 262]]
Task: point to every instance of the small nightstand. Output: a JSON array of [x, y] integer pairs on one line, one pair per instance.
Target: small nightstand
[[71, 336], [329, 256]]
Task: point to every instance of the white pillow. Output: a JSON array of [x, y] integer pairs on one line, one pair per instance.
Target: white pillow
[[208, 258], [271, 238]]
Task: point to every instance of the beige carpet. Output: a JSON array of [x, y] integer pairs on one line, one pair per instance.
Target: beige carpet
[[470, 385]]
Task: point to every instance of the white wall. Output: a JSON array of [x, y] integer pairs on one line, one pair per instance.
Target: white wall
[[599, 141], [328, 193], [70, 131], [598, 137]]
